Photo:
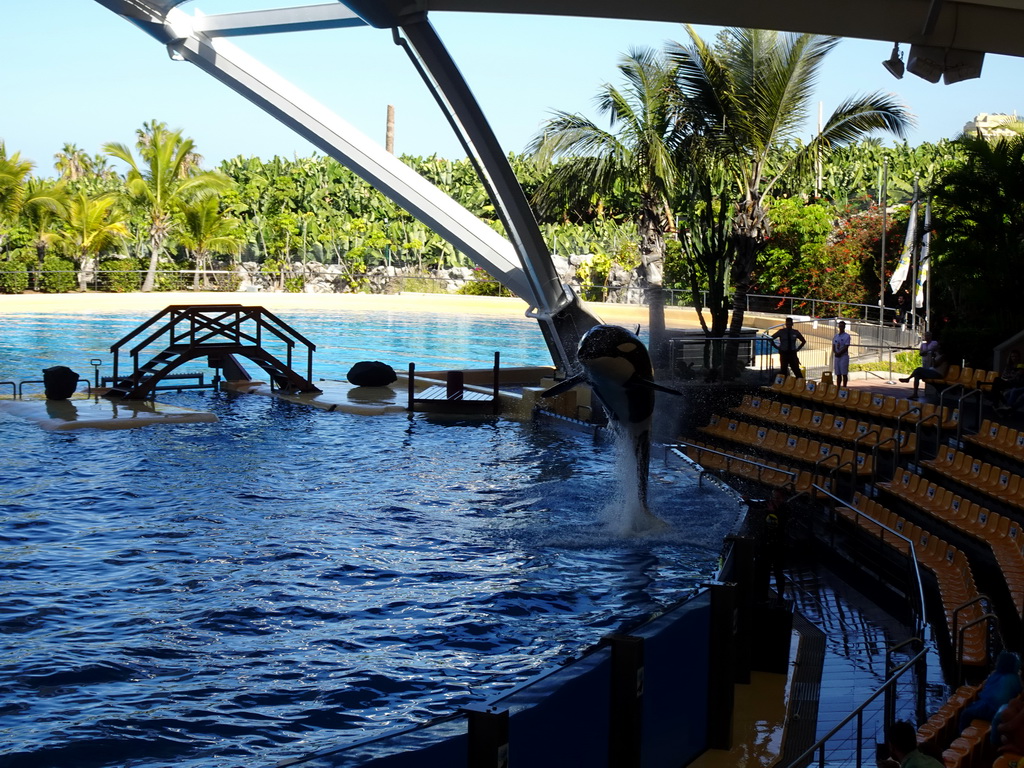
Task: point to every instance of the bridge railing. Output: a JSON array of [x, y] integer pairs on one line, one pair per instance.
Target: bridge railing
[[207, 324]]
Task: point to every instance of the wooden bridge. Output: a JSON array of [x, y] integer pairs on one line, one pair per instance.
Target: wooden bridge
[[219, 331]]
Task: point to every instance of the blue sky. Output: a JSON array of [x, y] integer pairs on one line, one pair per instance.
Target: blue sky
[[75, 72]]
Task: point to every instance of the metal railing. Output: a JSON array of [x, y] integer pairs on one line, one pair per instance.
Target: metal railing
[[888, 687], [917, 585], [771, 304], [678, 450], [198, 325], [21, 385], [229, 280], [886, 690], [886, 707]]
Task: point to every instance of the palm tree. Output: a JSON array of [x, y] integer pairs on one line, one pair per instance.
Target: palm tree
[[73, 163], [94, 225], [164, 180], [14, 175], [207, 231], [636, 157], [744, 101], [43, 206]]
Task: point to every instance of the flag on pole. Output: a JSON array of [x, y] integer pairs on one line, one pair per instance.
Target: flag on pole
[[925, 261], [922, 277], [899, 275]]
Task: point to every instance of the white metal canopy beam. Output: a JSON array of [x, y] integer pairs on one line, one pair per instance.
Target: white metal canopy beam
[[273, 21], [526, 269]]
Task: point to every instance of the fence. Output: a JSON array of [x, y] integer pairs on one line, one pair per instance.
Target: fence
[[230, 280], [692, 355]]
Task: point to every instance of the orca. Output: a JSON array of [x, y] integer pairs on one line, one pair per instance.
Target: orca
[[618, 368]]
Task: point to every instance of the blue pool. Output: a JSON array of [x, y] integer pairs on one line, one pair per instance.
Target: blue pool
[[286, 579]]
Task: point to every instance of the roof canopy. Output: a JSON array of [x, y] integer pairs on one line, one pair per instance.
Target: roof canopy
[[991, 26]]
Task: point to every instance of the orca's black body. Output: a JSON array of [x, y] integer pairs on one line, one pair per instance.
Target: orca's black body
[[618, 368]]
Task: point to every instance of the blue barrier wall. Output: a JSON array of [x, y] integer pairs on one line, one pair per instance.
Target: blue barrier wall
[[676, 650], [562, 717]]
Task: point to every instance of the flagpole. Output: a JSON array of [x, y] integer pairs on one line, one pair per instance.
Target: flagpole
[[881, 269], [914, 254], [928, 277]]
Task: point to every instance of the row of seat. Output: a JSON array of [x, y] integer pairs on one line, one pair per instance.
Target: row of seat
[[842, 428], [943, 727], [757, 470], [950, 566], [872, 404], [997, 482], [1000, 533], [1000, 438], [968, 378], [972, 748], [794, 447]]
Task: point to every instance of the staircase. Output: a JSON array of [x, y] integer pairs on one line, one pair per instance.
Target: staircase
[[219, 332]]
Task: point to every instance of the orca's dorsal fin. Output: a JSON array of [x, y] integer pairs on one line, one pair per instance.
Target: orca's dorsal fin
[[564, 386], [647, 384]]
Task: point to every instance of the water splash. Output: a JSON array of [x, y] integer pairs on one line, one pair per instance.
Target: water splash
[[625, 514]]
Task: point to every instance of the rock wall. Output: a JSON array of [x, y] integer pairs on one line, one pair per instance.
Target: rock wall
[[313, 277]]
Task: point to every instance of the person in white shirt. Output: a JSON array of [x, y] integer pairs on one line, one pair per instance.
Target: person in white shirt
[[929, 351], [841, 355]]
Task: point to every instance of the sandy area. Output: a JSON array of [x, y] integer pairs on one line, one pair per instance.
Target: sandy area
[[151, 303]]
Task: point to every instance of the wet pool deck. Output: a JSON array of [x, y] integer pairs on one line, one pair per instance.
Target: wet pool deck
[[95, 412]]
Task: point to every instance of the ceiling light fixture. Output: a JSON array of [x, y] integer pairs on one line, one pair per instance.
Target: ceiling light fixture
[[894, 64]]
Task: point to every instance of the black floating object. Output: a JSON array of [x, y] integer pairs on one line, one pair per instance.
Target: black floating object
[[60, 382], [371, 374]]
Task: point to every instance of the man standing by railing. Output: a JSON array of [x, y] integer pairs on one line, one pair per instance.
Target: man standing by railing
[[789, 341], [841, 355]]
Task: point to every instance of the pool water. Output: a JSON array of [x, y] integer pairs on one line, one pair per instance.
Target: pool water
[[286, 579], [30, 343]]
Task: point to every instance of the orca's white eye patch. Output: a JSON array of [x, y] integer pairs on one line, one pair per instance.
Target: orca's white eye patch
[[628, 346]]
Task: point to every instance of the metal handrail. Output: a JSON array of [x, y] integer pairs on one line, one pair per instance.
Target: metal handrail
[[876, 449], [912, 409], [890, 695], [21, 385], [938, 432], [14, 387], [873, 431], [960, 406], [920, 629], [858, 713], [729, 458], [227, 324], [922, 616], [961, 631]]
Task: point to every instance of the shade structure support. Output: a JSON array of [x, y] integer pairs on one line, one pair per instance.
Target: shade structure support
[[522, 263]]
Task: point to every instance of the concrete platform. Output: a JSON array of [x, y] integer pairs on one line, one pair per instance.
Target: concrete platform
[[336, 396], [517, 398], [93, 412]]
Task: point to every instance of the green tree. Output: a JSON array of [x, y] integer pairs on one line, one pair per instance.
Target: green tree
[[206, 231], [636, 155], [979, 255], [94, 226], [746, 100], [43, 206], [165, 178], [796, 259], [84, 171], [14, 175]]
